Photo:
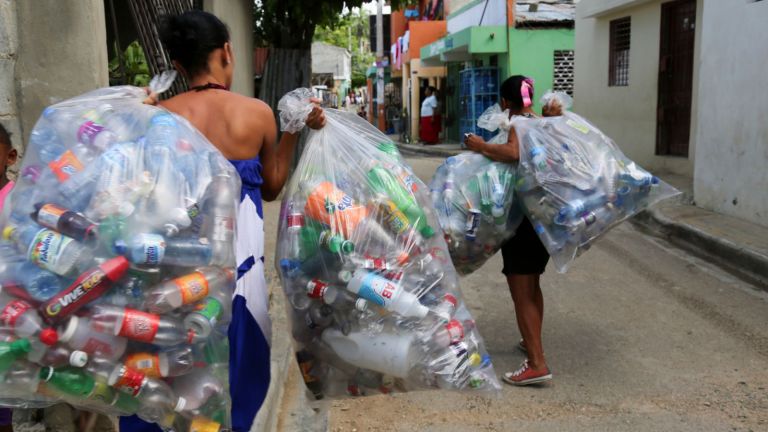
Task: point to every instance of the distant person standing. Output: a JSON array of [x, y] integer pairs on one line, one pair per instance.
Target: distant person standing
[[429, 130]]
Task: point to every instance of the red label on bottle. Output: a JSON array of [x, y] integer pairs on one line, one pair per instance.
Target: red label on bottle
[[12, 311], [455, 331], [85, 289], [96, 346], [316, 289], [139, 326], [130, 381], [295, 220]]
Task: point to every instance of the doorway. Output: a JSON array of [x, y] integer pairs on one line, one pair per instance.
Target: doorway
[[678, 29]]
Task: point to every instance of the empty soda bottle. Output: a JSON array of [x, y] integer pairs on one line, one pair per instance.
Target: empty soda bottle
[[57, 356], [384, 182], [157, 399], [140, 326], [153, 249], [48, 249], [79, 333], [70, 381], [219, 219], [67, 222], [25, 321], [197, 387], [387, 294], [37, 284], [10, 352], [207, 314], [451, 333], [187, 289], [170, 363]]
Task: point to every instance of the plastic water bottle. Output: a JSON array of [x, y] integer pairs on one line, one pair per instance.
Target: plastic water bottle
[[386, 353], [23, 318], [197, 387], [332, 296], [295, 223], [39, 284], [187, 289], [10, 352], [170, 363], [57, 356], [387, 294], [79, 333], [67, 222], [219, 219], [539, 159], [157, 399], [153, 249], [85, 289], [160, 143], [140, 326], [48, 249]]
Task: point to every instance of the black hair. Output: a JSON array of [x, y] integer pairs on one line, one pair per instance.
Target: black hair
[[511, 91], [432, 89], [5, 136], [191, 37]]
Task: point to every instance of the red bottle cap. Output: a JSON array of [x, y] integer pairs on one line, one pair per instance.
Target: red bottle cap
[[49, 337], [115, 268]]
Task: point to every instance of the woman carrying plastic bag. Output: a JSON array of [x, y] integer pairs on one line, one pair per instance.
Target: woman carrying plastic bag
[[473, 196], [116, 273], [373, 298]]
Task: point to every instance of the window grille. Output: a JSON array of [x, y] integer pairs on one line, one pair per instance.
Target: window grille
[[563, 71], [618, 73]]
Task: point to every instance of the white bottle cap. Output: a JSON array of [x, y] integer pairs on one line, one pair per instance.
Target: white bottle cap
[[180, 404], [69, 329], [78, 359]]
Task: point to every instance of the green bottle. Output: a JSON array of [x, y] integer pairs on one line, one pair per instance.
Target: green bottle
[[313, 236], [70, 381], [383, 182], [12, 351], [389, 148], [111, 229]]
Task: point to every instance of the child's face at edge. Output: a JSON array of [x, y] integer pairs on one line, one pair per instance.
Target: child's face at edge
[[8, 156]]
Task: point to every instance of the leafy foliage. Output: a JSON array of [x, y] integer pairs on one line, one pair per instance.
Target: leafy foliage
[[136, 68], [350, 32]]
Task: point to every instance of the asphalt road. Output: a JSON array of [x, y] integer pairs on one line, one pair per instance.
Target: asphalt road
[[640, 336]]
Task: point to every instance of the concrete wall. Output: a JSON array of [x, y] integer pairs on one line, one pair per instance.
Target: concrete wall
[[238, 15], [9, 115], [330, 59], [628, 114], [532, 53], [62, 52], [731, 173]]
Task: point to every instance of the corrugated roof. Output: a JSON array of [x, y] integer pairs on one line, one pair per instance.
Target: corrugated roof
[[545, 11]]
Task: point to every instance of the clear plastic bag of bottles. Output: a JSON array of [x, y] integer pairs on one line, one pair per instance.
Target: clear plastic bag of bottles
[[575, 184], [474, 198], [373, 297], [117, 265]]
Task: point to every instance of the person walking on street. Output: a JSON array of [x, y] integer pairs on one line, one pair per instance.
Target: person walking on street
[[525, 257], [244, 130], [429, 126]]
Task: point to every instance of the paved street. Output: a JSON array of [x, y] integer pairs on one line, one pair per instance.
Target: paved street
[[639, 335]]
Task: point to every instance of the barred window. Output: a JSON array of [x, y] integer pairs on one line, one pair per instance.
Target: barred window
[[618, 73], [563, 71]]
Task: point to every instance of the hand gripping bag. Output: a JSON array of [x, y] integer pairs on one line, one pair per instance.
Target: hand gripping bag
[[575, 184], [474, 199], [117, 264], [373, 297]]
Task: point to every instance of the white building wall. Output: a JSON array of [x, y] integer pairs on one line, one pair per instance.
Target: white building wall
[[330, 59], [627, 114], [731, 173]]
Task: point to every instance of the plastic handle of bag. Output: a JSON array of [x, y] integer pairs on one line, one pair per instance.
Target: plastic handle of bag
[[294, 108], [164, 81]]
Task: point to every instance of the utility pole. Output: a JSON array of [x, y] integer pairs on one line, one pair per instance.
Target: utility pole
[[380, 64]]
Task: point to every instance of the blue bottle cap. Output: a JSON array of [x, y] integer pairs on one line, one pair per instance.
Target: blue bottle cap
[[119, 247]]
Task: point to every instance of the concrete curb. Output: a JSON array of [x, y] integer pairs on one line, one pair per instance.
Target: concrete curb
[[428, 150], [745, 263]]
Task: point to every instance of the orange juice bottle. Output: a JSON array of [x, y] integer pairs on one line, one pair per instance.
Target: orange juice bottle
[[329, 205]]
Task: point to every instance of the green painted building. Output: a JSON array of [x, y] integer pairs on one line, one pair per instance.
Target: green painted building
[[539, 42]]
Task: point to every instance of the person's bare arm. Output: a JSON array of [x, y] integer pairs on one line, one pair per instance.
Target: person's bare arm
[[507, 153], [276, 160]]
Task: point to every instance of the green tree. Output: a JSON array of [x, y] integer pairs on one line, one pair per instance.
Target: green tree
[[350, 32], [134, 67], [288, 26]]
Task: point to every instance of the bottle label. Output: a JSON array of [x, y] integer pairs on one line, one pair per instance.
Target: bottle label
[[139, 326], [66, 166], [210, 309], [193, 287], [154, 248], [202, 424], [295, 220], [47, 247], [130, 381], [395, 218], [146, 363], [88, 131], [223, 229], [82, 291], [49, 215], [316, 289], [96, 346], [378, 290], [455, 331], [12, 311]]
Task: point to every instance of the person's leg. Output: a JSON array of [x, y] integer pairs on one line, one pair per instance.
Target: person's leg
[[525, 295], [539, 298]]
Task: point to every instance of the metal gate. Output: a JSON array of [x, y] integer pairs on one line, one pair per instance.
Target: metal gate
[[678, 29], [146, 15]]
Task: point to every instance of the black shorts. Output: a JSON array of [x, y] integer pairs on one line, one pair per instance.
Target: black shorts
[[524, 254]]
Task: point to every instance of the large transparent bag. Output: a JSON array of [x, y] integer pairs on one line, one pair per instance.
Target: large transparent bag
[[373, 298], [575, 184], [473, 196], [117, 265]]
